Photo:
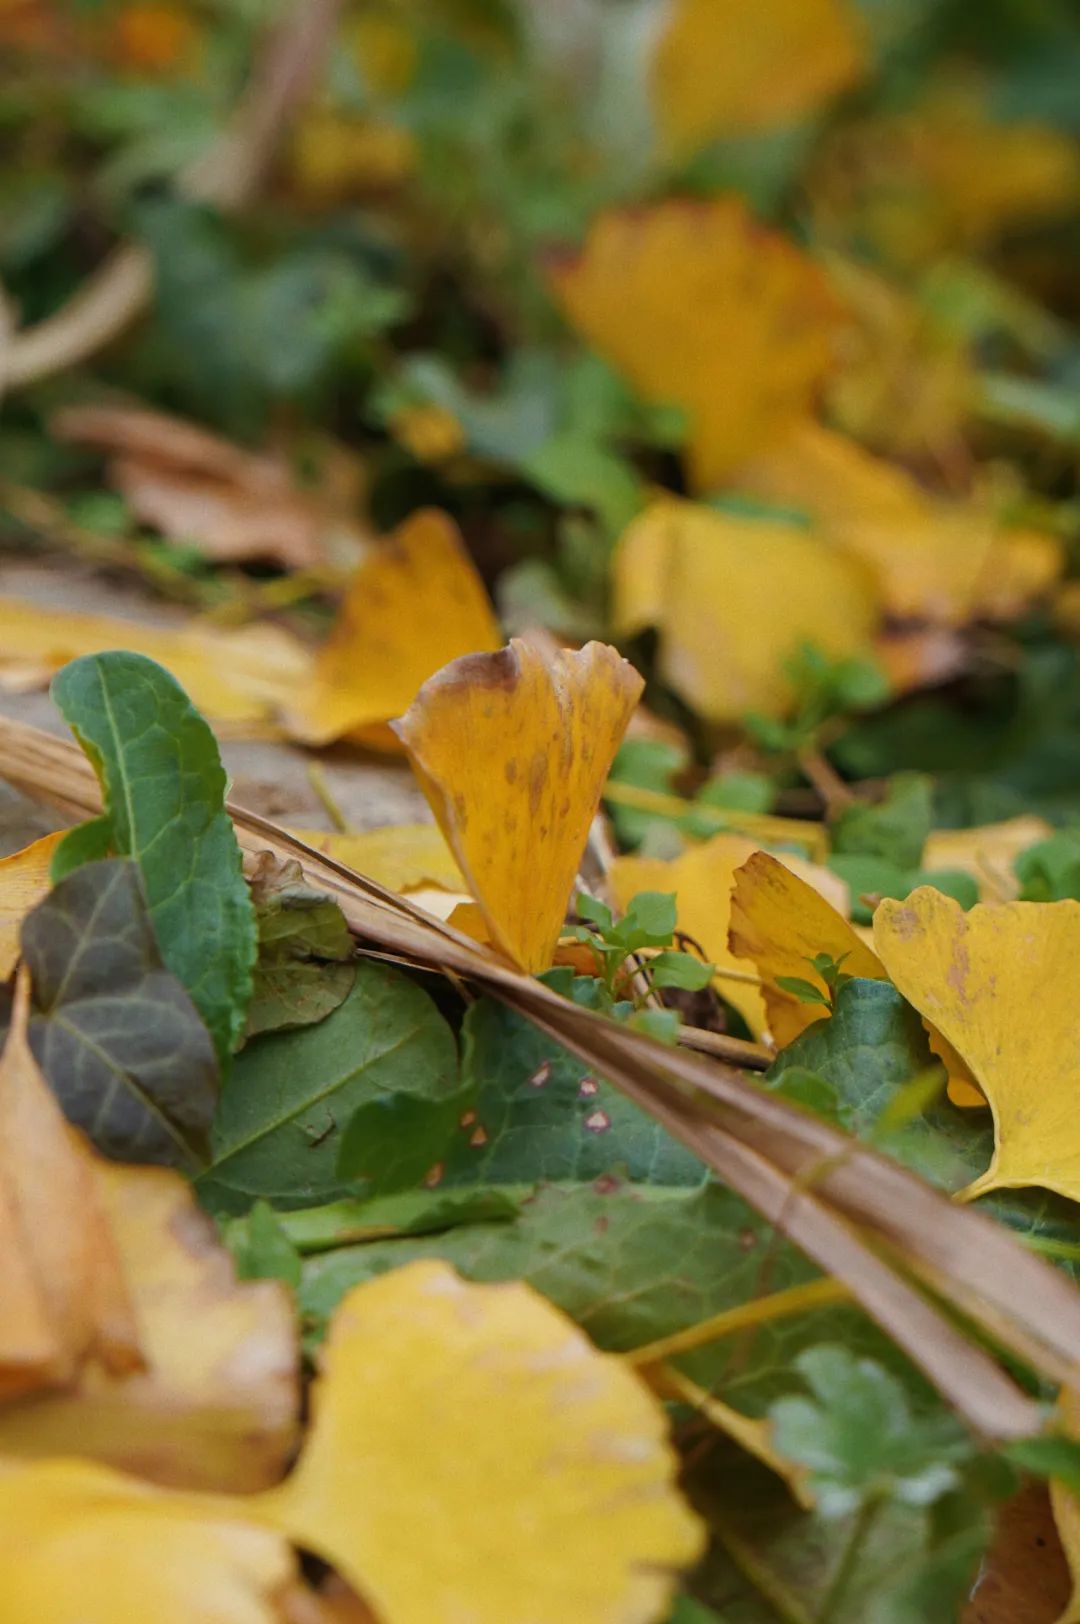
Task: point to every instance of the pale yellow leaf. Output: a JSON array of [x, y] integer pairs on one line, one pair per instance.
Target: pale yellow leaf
[[736, 67], [24, 881], [472, 1456], [512, 751], [987, 852], [997, 983], [733, 599], [216, 1404], [233, 677], [404, 856], [80, 1544], [700, 306], [415, 603]]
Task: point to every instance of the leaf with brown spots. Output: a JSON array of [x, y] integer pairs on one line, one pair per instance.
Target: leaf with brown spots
[[512, 751]]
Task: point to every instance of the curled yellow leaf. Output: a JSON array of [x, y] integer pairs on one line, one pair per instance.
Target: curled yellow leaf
[[735, 67], [24, 881], [997, 983], [473, 1455], [512, 751], [734, 599], [415, 603], [700, 306], [779, 922]]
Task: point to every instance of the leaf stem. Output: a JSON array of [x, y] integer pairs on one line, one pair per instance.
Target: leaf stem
[[865, 1519], [317, 779], [778, 1305]]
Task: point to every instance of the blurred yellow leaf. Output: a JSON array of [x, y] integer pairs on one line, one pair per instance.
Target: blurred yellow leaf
[[236, 678], [80, 1544], [154, 38], [939, 561], [402, 856], [779, 922], [473, 1456], [945, 175], [702, 307], [414, 604], [332, 156], [24, 880], [216, 1403], [733, 599], [512, 751], [997, 983], [430, 433], [736, 67], [65, 1301], [384, 48]]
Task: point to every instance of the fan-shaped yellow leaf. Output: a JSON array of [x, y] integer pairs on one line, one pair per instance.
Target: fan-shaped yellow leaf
[[24, 880], [734, 598], [233, 677], [80, 1544], [701, 307], [987, 852], [512, 751], [734, 67], [474, 1456], [415, 603], [779, 922], [997, 983]]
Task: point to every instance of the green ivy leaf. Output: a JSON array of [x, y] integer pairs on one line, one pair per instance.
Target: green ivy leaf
[[113, 1030], [285, 1108], [805, 991], [164, 791]]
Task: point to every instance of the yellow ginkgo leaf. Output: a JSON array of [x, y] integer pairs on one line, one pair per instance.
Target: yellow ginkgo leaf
[[534, 1470], [735, 67], [235, 678], [65, 1300], [402, 856], [512, 751], [24, 880], [80, 1544], [938, 561], [217, 1410], [734, 598], [701, 307], [997, 984], [414, 604], [779, 923]]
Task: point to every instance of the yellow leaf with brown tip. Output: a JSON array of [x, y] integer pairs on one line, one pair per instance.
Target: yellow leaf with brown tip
[[779, 923], [997, 983], [24, 881], [512, 751], [700, 306], [736, 67], [534, 1470], [414, 604], [735, 598], [80, 1544], [216, 1403]]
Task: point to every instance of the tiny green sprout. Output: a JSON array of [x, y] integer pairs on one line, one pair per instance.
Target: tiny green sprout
[[831, 975], [648, 925]]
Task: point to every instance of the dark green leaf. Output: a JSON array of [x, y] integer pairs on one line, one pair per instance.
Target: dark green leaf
[[394, 1141], [164, 790], [113, 1030], [894, 830], [683, 970], [291, 1095], [305, 965]]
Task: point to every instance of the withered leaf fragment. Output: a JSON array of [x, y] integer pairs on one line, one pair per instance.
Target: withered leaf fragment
[[115, 1032], [304, 969]]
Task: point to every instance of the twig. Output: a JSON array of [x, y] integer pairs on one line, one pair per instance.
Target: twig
[[227, 176]]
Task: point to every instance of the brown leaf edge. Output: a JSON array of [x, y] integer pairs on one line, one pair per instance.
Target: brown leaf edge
[[898, 1244]]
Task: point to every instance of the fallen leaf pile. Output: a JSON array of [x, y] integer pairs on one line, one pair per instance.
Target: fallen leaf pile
[[539, 812]]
